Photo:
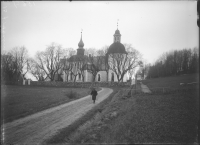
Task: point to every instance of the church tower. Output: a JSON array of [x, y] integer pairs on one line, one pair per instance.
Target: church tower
[[80, 50], [117, 35]]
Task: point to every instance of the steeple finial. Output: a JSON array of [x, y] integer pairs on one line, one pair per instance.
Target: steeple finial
[[117, 23]]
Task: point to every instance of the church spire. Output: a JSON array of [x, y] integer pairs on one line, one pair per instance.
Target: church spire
[[81, 44], [80, 50]]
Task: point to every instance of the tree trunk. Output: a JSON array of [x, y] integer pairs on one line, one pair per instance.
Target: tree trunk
[[83, 78], [94, 78], [67, 77], [74, 78]]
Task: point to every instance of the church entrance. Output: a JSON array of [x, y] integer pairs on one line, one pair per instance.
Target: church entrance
[[99, 78]]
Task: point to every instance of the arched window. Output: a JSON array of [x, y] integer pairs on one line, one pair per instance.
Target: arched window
[[112, 77], [99, 77]]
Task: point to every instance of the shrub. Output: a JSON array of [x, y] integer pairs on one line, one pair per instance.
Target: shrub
[[72, 95]]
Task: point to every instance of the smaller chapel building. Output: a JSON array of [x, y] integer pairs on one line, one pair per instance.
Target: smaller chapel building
[[81, 66]]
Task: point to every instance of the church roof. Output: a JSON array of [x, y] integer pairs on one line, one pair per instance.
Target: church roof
[[74, 58], [116, 47]]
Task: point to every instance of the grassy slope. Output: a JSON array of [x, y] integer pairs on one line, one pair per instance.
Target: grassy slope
[[20, 101], [142, 118]]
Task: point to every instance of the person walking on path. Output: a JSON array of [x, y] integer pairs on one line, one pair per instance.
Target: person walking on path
[[94, 94]]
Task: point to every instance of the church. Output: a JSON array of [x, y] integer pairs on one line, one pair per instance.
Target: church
[[83, 68]]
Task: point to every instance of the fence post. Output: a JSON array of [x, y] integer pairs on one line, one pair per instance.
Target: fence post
[[24, 82], [135, 82], [131, 91], [163, 90], [29, 82]]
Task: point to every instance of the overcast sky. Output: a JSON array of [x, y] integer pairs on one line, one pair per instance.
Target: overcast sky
[[151, 27]]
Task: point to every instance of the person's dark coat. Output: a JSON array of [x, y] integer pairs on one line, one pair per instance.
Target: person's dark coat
[[94, 94]]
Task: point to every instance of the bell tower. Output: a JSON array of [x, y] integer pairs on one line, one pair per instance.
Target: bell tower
[[117, 35], [80, 50]]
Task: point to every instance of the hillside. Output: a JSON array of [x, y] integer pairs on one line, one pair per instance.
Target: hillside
[[160, 117]]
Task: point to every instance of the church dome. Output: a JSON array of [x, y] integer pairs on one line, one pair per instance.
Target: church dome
[[116, 47]]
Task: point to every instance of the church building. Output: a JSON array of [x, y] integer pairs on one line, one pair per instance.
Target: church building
[[81, 68]]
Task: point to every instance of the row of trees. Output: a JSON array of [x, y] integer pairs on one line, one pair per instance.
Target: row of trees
[[15, 64], [48, 64], [176, 62]]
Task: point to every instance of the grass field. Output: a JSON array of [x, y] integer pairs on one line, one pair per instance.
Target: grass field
[[173, 81], [148, 118], [20, 101]]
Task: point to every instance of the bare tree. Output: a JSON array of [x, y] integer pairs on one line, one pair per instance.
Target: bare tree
[[83, 66], [74, 70], [175, 62], [49, 60], [20, 56], [120, 63], [15, 64], [8, 70], [103, 53], [36, 71], [66, 66], [90, 51], [94, 66]]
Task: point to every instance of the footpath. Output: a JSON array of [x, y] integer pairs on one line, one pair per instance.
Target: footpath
[[145, 89]]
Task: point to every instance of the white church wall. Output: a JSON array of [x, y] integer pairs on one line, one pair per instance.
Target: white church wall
[[110, 76], [64, 77], [125, 78], [103, 76], [79, 78], [88, 77]]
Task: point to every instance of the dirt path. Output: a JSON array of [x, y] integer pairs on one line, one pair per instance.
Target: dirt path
[[144, 88], [40, 126]]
